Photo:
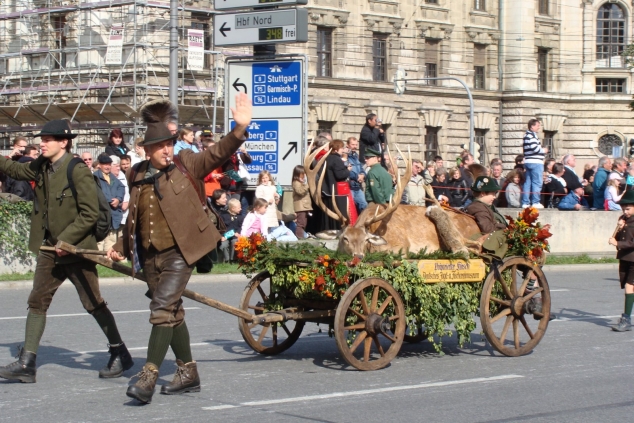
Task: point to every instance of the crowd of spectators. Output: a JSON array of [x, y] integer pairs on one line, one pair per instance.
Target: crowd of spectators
[[356, 170]]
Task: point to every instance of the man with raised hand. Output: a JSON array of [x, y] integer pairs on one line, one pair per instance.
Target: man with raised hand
[[168, 230]]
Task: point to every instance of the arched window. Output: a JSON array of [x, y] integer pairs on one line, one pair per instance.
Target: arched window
[[611, 145], [611, 30]]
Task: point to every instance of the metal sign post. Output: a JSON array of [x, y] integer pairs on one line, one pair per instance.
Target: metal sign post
[[269, 27], [278, 90]]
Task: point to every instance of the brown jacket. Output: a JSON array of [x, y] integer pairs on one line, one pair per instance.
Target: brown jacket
[[487, 217], [193, 232], [301, 197], [625, 241]]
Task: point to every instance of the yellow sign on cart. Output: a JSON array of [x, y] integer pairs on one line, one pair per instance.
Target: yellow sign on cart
[[434, 271]]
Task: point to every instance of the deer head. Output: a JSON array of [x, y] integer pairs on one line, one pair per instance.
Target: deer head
[[355, 239]]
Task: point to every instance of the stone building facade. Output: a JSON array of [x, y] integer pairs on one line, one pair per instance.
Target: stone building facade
[[558, 60]]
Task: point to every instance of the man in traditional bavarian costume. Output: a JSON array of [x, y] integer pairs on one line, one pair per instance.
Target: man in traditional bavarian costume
[[167, 231], [378, 181], [60, 215]]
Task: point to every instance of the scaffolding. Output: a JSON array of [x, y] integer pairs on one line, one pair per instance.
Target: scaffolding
[[52, 65]]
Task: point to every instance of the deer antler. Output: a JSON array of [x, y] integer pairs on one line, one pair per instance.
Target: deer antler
[[401, 182], [315, 190]]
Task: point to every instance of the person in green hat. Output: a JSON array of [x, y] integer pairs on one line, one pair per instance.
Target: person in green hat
[[61, 215], [486, 215], [378, 181], [623, 240]]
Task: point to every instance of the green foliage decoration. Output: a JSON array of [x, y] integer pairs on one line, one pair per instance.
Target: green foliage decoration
[[15, 224], [309, 271]]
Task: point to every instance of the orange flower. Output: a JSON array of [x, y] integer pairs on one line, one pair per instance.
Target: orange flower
[[530, 215], [328, 294], [543, 234], [326, 257], [356, 260], [325, 264]]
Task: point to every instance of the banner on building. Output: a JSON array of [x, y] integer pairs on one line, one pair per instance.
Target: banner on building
[[115, 45], [195, 49]]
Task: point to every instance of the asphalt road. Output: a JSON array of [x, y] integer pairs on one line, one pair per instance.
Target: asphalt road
[[579, 372]]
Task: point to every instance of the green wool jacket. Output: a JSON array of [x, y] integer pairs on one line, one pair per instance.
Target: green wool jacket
[[69, 219], [378, 185]]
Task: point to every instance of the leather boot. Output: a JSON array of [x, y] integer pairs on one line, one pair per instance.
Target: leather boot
[[143, 389], [23, 369], [120, 361], [185, 380]]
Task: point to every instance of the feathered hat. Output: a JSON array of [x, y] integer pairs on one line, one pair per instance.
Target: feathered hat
[[156, 115]]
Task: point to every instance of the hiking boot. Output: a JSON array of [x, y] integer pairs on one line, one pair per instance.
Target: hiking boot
[[23, 369], [120, 361], [185, 380], [624, 324], [143, 389]]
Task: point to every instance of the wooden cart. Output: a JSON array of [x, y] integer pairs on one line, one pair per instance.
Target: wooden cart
[[370, 323], [369, 320]]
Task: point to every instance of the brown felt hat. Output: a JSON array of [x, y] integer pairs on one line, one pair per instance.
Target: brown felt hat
[[156, 132]]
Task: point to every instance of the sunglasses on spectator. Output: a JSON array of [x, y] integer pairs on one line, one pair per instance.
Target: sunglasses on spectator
[[88, 160]]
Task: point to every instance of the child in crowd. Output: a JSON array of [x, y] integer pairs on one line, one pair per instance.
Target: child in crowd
[[624, 243], [233, 221], [513, 190], [301, 201], [266, 190], [254, 221], [612, 196]]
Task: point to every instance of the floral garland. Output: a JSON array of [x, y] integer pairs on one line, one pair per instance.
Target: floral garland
[[526, 237]]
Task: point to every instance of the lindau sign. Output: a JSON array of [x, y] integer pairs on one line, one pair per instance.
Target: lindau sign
[[269, 27], [278, 91]]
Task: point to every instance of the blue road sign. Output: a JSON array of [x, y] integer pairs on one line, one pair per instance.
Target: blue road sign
[[262, 145], [277, 84]]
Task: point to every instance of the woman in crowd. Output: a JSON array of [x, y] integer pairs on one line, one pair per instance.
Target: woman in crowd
[[513, 190], [457, 188], [301, 201], [185, 141], [439, 185], [336, 171], [554, 187], [219, 201], [116, 146]]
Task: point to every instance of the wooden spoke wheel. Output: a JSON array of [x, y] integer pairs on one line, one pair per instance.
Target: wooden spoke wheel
[[513, 318], [270, 338], [370, 324]]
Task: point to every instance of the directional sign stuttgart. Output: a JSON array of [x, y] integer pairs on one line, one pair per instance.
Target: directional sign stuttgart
[[239, 4], [275, 87], [270, 27]]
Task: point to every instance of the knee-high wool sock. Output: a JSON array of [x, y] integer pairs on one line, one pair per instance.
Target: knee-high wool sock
[[180, 343], [160, 340], [35, 324]]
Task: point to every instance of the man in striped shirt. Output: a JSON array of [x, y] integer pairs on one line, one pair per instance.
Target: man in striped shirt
[[533, 165]]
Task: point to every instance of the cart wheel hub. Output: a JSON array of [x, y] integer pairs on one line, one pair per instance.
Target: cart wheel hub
[[376, 324], [518, 307]]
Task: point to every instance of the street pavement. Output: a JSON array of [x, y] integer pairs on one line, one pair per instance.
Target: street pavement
[[579, 372]]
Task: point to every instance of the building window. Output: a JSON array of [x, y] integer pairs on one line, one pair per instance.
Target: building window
[[480, 139], [379, 57], [610, 36], [610, 85], [549, 142], [325, 126], [431, 1], [479, 5], [611, 145], [479, 66], [431, 143], [324, 52], [543, 7], [542, 70], [58, 24], [432, 48]]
